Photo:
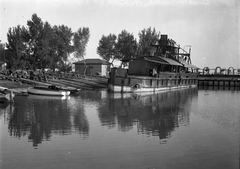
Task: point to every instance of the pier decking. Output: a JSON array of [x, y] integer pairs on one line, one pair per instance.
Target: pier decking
[[219, 80]]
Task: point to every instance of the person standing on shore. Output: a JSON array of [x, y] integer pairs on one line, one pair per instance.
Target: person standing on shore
[[44, 76]]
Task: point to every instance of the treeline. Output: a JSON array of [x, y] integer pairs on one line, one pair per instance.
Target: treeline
[[40, 45], [125, 45]]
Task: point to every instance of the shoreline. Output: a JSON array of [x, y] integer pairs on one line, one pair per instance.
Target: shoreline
[[14, 85]]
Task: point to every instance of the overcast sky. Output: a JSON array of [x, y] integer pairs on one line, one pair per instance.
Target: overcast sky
[[210, 26]]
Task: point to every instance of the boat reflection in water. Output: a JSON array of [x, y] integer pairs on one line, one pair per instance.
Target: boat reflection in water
[[157, 114], [41, 117]]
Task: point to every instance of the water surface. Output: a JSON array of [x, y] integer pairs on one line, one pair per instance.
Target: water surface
[[95, 129]]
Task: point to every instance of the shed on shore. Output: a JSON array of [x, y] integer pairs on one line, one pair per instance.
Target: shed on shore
[[92, 66]]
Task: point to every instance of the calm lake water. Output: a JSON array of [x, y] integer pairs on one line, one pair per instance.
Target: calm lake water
[[187, 129]]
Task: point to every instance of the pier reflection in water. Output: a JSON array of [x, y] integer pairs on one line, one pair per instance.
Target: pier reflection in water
[[97, 129]]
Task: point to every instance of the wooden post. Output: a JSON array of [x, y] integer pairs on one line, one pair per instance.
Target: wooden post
[[11, 96]]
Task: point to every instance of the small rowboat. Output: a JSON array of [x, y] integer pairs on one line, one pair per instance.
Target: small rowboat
[[43, 90], [6, 95]]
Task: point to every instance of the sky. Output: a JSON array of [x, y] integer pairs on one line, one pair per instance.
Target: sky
[[210, 27]]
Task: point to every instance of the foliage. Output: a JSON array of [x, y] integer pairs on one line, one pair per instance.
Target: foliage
[[126, 45], [16, 45], [80, 40], [106, 47], [41, 45], [146, 37], [2, 46], [62, 46]]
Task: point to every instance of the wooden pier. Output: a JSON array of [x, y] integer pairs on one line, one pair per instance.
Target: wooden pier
[[69, 81], [219, 80]]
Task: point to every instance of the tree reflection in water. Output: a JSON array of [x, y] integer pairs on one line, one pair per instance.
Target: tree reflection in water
[[41, 117], [158, 114]]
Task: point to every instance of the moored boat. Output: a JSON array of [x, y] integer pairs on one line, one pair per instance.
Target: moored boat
[[51, 85], [6, 95], [48, 91], [168, 67]]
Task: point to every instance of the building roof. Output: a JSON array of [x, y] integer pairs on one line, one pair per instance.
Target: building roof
[[190, 66], [92, 61], [156, 60], [161, 60], [172, 62]]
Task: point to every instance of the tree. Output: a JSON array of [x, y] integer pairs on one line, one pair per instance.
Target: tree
[[80, 40], [35, 28], [48, 46], [126, 46], [40, 45], [63, 37], [2, 46], [146, 37], [106, 47], [16, 47]]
